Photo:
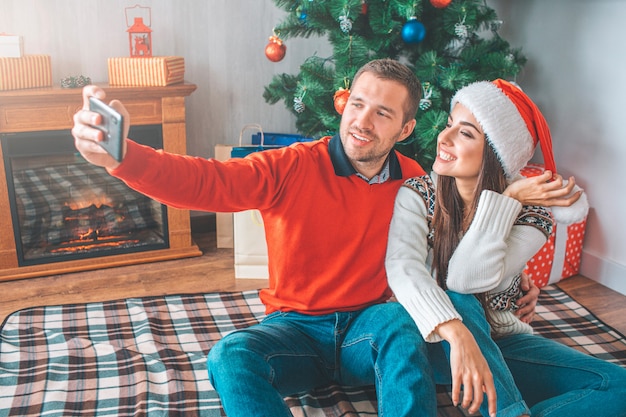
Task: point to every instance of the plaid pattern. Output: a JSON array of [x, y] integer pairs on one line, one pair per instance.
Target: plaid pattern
[[561, 318], [44, 196], [144, 356]]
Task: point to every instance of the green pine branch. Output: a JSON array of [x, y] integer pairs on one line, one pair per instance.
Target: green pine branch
[[462, 45]]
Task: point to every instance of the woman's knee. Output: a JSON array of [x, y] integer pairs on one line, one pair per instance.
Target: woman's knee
[[466, 304], [616, 380], [470, 309]]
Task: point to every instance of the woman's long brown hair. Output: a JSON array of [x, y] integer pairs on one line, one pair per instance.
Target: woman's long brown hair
[[448, 218]]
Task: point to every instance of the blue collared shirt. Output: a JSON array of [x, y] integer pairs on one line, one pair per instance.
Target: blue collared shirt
[[343, 167]]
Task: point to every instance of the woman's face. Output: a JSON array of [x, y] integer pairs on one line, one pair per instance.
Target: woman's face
[[460, 147]]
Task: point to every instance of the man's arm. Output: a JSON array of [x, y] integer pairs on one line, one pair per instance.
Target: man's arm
[[87, 137], [528, 302]]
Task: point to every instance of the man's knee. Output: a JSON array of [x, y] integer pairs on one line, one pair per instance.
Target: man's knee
[[396, 328], [213, 361], [394, 318], [225, 356]]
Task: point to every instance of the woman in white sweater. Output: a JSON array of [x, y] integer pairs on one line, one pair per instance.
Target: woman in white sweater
[[474, 236]]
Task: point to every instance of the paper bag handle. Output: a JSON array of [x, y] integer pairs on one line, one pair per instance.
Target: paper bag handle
[[249, 126]]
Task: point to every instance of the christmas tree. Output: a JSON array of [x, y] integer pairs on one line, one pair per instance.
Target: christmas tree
[[447, 43]]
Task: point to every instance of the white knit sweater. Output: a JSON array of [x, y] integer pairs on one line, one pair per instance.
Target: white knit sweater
[[489, 257]]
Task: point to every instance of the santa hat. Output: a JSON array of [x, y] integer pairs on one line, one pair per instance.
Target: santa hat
[[514, 125]]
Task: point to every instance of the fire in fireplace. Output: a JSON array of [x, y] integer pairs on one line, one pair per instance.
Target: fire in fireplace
[[64, 208]]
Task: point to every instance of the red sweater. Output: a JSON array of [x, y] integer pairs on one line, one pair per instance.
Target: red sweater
[[326, 232]]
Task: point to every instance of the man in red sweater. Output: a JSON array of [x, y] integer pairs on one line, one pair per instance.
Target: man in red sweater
[[326, 207]]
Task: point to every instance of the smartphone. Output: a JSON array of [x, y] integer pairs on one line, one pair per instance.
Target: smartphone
[[112, 126]]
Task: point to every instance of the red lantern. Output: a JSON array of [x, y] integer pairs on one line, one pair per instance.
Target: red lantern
[[139, 35]]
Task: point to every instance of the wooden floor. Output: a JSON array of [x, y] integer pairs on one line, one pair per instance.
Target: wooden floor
[[213, 271]]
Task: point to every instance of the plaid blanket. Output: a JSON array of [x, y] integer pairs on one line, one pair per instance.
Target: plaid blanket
[[143, 356]]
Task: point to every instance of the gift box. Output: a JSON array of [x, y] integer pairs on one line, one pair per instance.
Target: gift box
[[11, 46], [155, 71], [29, 71], [277, 139], [560, 256]]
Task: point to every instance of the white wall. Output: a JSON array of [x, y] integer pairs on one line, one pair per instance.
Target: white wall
[[222, 41], [575, 72]]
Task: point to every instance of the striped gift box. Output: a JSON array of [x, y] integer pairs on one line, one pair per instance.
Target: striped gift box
[[144, 72], [28, 71]]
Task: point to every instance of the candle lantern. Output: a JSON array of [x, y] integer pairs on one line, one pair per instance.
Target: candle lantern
[[139, 33]]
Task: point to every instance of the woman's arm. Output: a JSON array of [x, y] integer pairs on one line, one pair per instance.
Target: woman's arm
[[427, 303], [407, 271], [494, 250], [547, 190]]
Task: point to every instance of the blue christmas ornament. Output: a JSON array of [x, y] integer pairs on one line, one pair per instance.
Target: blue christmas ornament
[[413, 31], [303, 16]]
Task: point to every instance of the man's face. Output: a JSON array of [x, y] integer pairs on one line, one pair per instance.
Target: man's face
[[372, 122]]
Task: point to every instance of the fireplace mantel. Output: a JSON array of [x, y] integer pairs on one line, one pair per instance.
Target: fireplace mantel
[[52, 108]]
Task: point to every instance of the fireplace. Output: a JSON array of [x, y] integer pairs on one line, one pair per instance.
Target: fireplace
[[94, 222], [64, 208]]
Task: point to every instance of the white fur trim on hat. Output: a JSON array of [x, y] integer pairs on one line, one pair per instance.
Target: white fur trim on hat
[[504, 127]]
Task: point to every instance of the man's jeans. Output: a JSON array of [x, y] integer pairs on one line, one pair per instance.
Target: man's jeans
[[287, 353]]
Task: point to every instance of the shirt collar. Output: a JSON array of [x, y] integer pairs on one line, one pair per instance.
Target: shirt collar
[[344, 168]]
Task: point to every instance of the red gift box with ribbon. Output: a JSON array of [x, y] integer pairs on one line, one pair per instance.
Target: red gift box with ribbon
[[560, 257]]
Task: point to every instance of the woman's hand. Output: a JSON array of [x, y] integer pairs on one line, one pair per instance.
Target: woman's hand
[[469, 368], [540, 191]]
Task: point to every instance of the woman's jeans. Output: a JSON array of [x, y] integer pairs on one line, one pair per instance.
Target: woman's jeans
[[557, 381], [509, 399], [252, 369]]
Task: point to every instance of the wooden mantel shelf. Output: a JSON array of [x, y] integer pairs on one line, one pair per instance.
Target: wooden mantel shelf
[[53, 108]]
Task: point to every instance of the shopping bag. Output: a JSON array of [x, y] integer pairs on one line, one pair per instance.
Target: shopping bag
[[248, 230]]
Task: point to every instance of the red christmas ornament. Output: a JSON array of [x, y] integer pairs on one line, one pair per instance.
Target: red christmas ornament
[[275, 49], [440, 4], [340, 99]]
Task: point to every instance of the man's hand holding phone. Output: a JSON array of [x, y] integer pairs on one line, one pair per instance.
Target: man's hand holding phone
[[111, 125], [100, 130]]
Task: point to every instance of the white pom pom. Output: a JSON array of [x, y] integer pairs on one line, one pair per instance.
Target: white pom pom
[[574, 213]]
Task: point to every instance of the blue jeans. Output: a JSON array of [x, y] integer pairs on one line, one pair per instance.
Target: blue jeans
[[556, 380], [509, 399], [288, 353]]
